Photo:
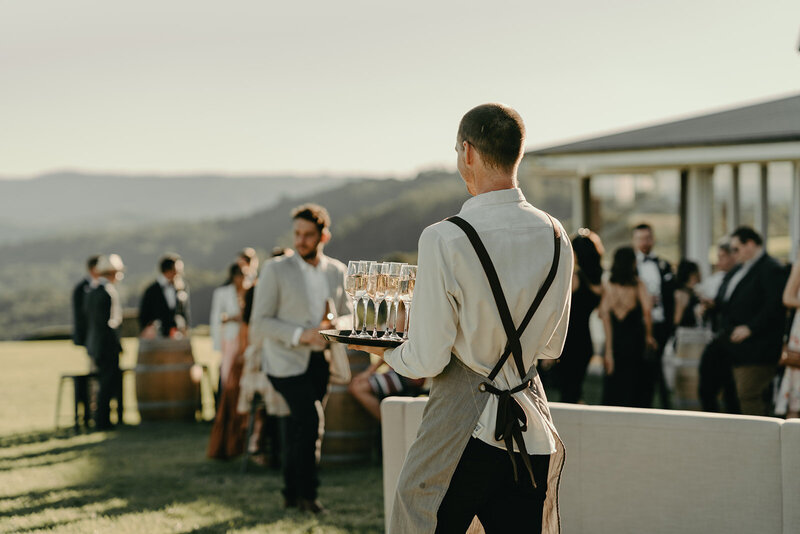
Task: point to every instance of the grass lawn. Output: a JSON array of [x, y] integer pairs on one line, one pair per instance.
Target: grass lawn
[[143, 478]]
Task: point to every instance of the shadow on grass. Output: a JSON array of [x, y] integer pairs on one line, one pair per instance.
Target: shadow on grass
[[157, 474]]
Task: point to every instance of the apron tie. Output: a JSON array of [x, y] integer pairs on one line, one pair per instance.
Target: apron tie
[[510, 423]]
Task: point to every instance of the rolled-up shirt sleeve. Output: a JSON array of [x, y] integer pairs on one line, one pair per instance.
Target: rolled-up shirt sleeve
[[563, 286], [434, 317]]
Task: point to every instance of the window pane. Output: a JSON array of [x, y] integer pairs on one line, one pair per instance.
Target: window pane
[[620, 202]]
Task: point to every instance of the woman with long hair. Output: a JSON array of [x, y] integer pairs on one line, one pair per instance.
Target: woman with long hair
[[587, 290], [227, 303], [787, 402], [687, 301], [625, 310]]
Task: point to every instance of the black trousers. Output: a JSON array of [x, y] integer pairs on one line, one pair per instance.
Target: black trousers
[[716, 374], [110, 379], [303, 426], [483, 485], [661, 333]]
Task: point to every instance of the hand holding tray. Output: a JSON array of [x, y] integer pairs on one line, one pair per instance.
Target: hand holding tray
[[343, 336]]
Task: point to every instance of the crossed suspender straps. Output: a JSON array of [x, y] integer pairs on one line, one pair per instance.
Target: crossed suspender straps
[[511, 421]]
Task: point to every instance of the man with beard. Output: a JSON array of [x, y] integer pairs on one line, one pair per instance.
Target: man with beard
[[295, 298]]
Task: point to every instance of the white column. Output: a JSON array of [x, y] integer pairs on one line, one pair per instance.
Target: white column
[[794, 214], [699, 217], [734, 205], [762, 202], [578, 207]]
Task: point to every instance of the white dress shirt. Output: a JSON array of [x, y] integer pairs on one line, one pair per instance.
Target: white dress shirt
[[115, 316], [709, 287], [454, 312], [650, 274], [169, 291], [741, 273], [317, 291]]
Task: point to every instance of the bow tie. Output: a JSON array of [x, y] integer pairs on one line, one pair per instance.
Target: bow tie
[[651, 258]]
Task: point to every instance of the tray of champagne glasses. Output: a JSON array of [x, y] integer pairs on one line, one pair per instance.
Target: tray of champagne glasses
[[386, 285], [343, 336]]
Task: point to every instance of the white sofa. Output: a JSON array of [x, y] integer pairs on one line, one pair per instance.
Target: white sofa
[[653, 471]]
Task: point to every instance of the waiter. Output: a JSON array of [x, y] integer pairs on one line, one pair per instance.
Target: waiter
[[492, 297]]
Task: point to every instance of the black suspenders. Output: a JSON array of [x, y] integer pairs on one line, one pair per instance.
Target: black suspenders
[[511, 420]]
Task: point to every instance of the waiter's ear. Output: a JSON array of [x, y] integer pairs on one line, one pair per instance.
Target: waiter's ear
[[469, 153], [326, 235]]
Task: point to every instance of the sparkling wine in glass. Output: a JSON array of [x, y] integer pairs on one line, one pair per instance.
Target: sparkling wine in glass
[[354, 287], [364, 267], [408, 279], [392, 293], [376, 289]]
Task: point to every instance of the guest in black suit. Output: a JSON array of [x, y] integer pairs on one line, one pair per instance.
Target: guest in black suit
[[656, 273], [79, 293], [104, 317], [164, 309], [750, 318]]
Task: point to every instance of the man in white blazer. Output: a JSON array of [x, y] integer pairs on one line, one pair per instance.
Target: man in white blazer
[[296, 297]]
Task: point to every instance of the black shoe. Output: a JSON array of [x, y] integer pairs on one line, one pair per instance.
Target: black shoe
[[105, 426], [290, 502], [315, 507]]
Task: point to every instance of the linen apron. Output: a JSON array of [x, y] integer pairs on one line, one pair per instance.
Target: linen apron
[[457, 399]]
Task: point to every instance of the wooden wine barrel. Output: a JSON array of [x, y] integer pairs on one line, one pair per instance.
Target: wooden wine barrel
[[165, 390], [689, 346], [350, 431]]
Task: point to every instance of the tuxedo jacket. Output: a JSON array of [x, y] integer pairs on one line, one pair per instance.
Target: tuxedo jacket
[[281, 306], [668, 287], [756, 301], [102, 341], [154, 306], [79, 324]]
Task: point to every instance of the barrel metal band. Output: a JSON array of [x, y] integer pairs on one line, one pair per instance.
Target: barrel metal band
[[152, 405], [150, 368]]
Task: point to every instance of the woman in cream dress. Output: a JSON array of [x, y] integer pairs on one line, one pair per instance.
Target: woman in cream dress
[[787, 401], [227, 303]]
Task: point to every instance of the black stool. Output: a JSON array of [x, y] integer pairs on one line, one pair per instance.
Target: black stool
[[80, 386]]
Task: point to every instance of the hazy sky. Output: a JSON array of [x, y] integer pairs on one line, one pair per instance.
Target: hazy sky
[[361, 86]]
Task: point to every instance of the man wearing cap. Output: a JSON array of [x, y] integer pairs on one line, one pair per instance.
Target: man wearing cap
[[104, 318]]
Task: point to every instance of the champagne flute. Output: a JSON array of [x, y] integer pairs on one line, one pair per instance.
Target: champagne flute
[[376, 289], [392, 291], [353, 286], [408, 278], [364, 267]]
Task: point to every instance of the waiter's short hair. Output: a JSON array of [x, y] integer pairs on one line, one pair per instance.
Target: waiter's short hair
[[313, 213], [167, 262], [497, 133], [746, 233], [91, 262], [643, 226]]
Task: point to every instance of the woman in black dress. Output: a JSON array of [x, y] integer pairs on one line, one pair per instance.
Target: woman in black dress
[[686, 300], [587, 290], [625, 310]]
